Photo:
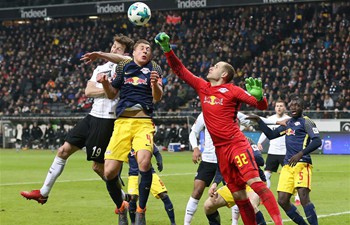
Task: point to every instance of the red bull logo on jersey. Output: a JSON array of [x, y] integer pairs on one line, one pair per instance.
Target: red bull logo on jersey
[[290, 132], [213, 100], [135, 81]]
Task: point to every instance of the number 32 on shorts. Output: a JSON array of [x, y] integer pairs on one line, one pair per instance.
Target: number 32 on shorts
[[241, 160]]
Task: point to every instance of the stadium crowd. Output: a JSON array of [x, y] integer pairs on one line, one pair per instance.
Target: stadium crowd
[[298, 49]]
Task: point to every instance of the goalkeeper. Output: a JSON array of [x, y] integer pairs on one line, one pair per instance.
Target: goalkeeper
[[221, 100]]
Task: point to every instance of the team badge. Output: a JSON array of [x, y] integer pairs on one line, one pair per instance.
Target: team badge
[[223, 90], [145, 70]]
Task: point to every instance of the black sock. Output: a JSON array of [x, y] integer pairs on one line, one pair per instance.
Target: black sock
[[169, 208], [144, 187], [214, 219], [260, 220], [294, 214], [132, 210], [114, 190]]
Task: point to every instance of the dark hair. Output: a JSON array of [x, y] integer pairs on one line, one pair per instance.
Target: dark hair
[[230, 72], [124, 40], [141, 41], [299, 100]]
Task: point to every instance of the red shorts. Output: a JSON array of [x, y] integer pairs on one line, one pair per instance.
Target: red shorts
[[237, 165]]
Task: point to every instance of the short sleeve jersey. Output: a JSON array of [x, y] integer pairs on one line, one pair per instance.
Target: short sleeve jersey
[[133, 82], [104, 107], [299, 133]]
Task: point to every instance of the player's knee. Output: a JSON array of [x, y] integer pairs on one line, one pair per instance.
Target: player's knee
[[98, 168], [283, 202], [197, 193], [163, 195], [65, 151], [209, 206], [109, 174], [240, 195]]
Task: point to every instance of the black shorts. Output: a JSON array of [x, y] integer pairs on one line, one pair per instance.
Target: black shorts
[[94, 134], [273, 161], [206, 172]]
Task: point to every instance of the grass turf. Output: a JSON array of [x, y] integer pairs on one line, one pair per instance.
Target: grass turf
[[80, 198]]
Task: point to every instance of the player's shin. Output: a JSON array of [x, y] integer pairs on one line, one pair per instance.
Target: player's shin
[[269, 201], [310, 213], [169, 208], [55, 171], [144, 187], [114, 190], [294, 215], [247, 211], [268, 177], [260, 220], [214, 218], [132, 210], [191, 209], [235, 215]]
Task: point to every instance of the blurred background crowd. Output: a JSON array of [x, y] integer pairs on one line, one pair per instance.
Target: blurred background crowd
[[296, 49]]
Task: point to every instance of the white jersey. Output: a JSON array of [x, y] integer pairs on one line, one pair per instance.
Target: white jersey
[[104, 107], [277, 145], [208, 154]]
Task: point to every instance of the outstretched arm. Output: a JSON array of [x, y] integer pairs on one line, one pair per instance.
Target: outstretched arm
[[174, 62], [111, 57], [271, 134]]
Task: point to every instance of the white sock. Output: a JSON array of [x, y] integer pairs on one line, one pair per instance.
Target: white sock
[[235, 215], [296, 197], [54, 172], [191, 208], [268, 176]]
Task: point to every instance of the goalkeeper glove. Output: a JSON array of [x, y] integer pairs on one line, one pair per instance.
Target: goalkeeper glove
[[254, 87], [162, 39]]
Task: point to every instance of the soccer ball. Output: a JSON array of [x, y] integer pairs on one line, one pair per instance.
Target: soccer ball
[[139, 13]]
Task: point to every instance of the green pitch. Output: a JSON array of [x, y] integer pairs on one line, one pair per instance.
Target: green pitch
[[80, 198]]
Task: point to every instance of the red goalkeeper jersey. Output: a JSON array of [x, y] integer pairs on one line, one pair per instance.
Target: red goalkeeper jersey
[[220, 104]]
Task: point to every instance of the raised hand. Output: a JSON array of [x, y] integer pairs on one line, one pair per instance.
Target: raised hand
[[254, 87], [162, 39], [89, 57], [154, 77], [196, 155]]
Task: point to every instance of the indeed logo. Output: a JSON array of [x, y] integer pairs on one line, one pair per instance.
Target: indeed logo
[[191, 4], [110, 8], [33, 13]]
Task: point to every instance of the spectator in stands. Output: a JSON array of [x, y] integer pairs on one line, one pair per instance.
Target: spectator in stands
[[159, 137], [328, 102], [183, 135], [60, 136], [172, 136], [26, 136], [274, 47], [36, 135], [49, 137]]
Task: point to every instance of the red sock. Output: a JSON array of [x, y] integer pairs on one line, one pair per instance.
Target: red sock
[[247, 211], [269, 201]]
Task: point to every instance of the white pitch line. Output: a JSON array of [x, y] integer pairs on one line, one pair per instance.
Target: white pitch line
[[319, 216], [88, 179]]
